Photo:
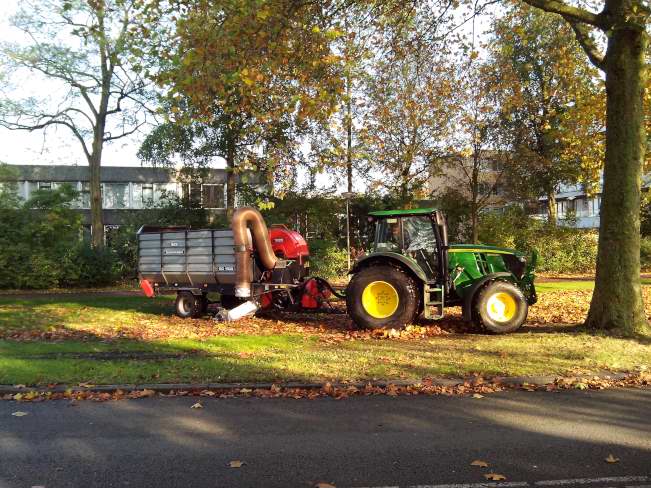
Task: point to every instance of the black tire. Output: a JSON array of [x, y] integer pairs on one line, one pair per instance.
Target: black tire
[[403, 284], [513, 313], [188, 305]]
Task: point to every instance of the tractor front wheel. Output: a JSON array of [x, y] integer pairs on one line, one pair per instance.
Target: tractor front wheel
[[382, 297], [501, 307]]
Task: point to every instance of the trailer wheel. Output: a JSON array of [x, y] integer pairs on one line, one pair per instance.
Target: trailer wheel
[[501, 307], [382, 297], [187, 305]]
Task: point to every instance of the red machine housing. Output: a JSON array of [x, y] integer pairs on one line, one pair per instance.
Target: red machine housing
[[314, 294], [288, 244]]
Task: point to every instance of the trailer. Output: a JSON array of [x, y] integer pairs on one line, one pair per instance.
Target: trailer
[[411, 271], [250, 266]]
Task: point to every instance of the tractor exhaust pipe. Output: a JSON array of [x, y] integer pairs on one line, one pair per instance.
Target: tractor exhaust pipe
[[243, 269]]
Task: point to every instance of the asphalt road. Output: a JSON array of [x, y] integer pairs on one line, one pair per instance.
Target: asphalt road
[[535, 439]]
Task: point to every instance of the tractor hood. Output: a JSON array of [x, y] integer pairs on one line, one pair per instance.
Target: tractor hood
[[457, 251], [483, 248]]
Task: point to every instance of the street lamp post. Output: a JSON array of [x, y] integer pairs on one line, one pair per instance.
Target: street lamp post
[[348, 195]]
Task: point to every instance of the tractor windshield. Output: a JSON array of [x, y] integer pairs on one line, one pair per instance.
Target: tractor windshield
[[405, 234]]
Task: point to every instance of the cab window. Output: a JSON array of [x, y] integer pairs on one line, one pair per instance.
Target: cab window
[[388, 235]]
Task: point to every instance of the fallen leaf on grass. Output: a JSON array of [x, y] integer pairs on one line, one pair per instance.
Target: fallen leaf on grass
[[494, 476], [236, 464], [197, 405], [20, 414], [477, 395], [611, 459], [480, 463]]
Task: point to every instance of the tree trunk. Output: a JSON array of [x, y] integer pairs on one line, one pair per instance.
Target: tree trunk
[[96, 218], [617, 300], [552, 211], [474, 222], [230, 178], [349, 134]]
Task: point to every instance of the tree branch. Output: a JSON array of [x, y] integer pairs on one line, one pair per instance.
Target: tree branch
[[43, 125], [124, 134], [576, 14], [582, 34]]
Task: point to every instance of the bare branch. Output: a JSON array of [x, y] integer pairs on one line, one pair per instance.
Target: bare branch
[[48, 123], [124, 133], [568, 12], [582, 33]]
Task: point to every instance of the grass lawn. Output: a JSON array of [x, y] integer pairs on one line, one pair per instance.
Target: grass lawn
[[110, 339]]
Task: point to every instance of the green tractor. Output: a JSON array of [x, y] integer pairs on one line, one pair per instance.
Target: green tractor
[[412, 271]]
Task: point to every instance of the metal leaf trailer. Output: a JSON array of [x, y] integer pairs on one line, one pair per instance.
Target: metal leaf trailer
[[411, 270]]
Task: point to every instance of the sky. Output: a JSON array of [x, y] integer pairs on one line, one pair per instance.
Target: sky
[[57, 145]]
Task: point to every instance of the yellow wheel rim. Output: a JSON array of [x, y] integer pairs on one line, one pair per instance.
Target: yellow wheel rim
[[380, 299], [501, 307]]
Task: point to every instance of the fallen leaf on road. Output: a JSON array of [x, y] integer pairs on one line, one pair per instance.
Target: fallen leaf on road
[[20, 414], [480, 463], [477, 395], [197, 405], [611, 459], [236, 464], [86, 385], [324, 485], [494, 476]]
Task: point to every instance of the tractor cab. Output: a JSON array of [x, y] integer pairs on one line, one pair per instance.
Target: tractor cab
[[418, 234]]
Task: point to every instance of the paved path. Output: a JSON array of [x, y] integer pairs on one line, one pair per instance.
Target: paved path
[[535, 439]]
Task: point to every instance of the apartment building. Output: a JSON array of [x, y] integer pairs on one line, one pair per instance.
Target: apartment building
[[124, 188]]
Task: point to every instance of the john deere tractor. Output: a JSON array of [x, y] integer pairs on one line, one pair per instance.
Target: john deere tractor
[[412, 271]]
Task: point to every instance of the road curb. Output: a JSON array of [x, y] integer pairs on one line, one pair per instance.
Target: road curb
[[508, 381]]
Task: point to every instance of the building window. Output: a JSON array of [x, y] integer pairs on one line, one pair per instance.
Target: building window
[[116, 195], [147, 193], [84, 194], [212, 196], [44, 185]]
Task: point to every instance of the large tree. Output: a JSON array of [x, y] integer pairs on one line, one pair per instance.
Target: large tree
[[260, 70], [473, 169], [84, 52], [617, 299], [407, 117], [551, 104]]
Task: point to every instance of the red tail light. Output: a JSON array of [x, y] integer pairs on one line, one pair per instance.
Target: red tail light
[[147, 289]]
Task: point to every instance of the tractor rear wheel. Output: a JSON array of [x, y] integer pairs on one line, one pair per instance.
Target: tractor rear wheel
[[501, 307], [382, 297]]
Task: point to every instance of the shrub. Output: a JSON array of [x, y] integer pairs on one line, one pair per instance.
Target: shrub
[[88, 267], [560, 249], [34, 244], [327, 260], [645, 252]]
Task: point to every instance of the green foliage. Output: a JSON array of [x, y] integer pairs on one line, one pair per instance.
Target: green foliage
[[645, 252], [89, 267], [560, 249], [327, 260], [456, 208], [35, 245]]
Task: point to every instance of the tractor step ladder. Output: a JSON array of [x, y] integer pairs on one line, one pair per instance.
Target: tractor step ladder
[[433, 298]]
